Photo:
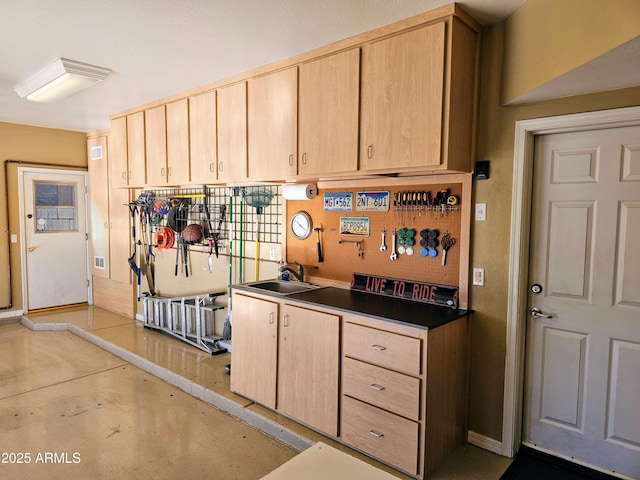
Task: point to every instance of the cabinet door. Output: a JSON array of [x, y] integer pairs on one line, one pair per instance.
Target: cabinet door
[[402, 100], [120, 236], [155, 128], [202, 136], [232, 132], [272, 118], [328, 114], [98, 192], [118, 169], [308, 361], [254, 353], [178, 165], [136, 149]]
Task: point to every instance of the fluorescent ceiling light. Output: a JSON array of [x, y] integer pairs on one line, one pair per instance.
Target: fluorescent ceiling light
[[61, 79]]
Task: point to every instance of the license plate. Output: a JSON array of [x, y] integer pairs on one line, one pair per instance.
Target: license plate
[[338, 202], [372, 201], [358, 226]]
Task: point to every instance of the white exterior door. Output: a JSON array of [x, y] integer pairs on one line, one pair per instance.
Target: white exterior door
[[582, 378], [55, 233]]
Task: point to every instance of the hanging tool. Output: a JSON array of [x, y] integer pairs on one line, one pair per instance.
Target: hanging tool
[[394, 255], [216, 234], [318, 244], [207, 228], [133, 210], [141, 210], [210, 259], [259, 198], [150, 258], [226, 328], [358, 244], [446, 243], [383, 245]]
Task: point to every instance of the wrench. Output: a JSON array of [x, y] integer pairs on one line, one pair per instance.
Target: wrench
[[383, 246], [394, 255]]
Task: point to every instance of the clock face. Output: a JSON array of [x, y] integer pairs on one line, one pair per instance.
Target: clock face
[[301, 225]]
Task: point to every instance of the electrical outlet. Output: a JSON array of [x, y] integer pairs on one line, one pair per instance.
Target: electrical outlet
[[272, 254], [14, 238], [478, 277], [481, 212]]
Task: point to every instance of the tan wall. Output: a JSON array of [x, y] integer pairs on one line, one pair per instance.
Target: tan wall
[[548, 38], [490, 239], [34, 146]]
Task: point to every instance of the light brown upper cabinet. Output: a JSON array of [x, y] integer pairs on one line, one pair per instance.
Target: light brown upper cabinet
[[136, 149], [202, 137], [232, 132], [328, 114], [178, 165], [167, 143], [272, 118], [126, 147], [418, 100], [156, 145]]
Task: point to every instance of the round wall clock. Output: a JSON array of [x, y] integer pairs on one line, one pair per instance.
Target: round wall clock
[[301, 225]]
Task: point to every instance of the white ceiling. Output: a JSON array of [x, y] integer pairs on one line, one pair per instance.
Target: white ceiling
[[158, 48]]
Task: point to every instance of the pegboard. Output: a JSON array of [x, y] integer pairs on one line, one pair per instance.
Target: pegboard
[[341, 260]]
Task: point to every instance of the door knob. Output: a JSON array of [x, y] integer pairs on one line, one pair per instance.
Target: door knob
[[31, 249], [537, 313]]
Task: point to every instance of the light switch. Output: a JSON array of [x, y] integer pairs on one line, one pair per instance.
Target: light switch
[[481, 212], [14, 238], [478, 277]]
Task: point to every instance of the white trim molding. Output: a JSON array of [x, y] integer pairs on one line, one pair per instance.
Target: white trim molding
[[494, 446], [526, 130]]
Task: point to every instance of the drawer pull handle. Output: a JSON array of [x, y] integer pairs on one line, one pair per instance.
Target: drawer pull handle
[[376, 434], [378, 347], [377, 387]]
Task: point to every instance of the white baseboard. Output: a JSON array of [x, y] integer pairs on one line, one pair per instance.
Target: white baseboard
[[11, 314], [486, 443]]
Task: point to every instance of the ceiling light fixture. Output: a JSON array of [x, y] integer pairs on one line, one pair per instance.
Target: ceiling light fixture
[[61, 79]]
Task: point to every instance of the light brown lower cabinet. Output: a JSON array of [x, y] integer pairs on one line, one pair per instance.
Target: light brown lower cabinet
[[395, 392], [301, 345]]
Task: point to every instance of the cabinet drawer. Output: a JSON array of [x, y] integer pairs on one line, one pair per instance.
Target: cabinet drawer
[[384, 435], [383, 388], [382, 348]]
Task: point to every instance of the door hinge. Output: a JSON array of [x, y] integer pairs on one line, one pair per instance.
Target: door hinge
[[86, 236]]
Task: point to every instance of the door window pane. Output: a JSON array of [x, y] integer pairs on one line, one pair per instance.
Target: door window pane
[[56, 209]]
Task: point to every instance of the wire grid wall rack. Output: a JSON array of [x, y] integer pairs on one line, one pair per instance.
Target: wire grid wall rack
[[250, 219], [252, 210]]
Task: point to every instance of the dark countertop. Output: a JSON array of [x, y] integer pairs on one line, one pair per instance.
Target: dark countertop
[[407, 312]]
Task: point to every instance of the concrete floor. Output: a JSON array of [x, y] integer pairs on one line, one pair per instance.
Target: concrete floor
[[136, 403]]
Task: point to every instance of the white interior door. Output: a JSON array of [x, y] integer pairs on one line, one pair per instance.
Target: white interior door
[[582, 379], [55, 227]]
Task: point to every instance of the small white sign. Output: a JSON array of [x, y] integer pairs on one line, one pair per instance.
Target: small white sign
[[372, 201], [357, 226], [338, 202]]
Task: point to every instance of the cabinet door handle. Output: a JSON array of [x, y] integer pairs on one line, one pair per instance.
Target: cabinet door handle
[[124, 175], [129, 177], [285, 320], [369, 151], [376, 434], [304, 158], [378, 347], [377, 387], [291, 160], [270, 318], [169, 171], [162, 172], [219, 167]]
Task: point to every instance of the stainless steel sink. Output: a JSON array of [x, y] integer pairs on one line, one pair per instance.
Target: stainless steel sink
[[283, 287]]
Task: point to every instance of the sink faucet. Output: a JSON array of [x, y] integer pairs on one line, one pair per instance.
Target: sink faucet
[[298, 272]]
